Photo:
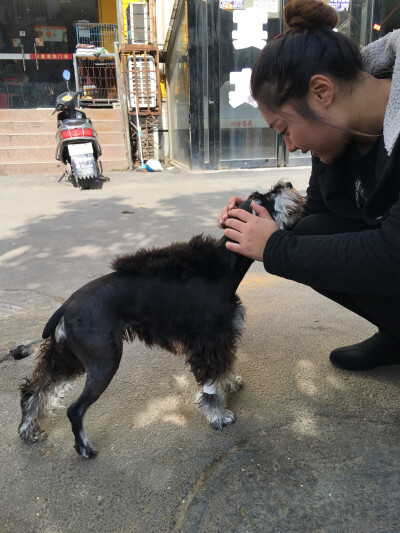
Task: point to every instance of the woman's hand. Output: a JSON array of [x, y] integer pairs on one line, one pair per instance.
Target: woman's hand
[[250, 232], [233, 202]]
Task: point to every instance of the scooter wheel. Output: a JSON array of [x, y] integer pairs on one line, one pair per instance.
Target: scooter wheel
[[70, 174], [85, 183]]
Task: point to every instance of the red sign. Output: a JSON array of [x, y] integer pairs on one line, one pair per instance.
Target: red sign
[[241, 124], [50, 56]]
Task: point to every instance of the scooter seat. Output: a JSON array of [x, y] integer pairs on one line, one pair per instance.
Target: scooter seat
[[74, 122]]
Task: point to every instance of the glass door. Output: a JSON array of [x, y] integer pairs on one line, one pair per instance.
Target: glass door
[[245, 139], [37, 40]]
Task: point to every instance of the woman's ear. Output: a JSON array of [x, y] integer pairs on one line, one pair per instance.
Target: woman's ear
[[321, 91]]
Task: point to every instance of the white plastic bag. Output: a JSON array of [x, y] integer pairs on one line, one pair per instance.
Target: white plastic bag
[[153, 165]]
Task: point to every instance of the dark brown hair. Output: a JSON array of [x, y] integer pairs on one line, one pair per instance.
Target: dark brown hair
[[309, 46]]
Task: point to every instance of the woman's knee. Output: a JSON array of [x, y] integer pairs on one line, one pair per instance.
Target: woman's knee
[[327, 224]]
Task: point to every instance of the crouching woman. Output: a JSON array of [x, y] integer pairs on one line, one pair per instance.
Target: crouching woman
[[314, 87]]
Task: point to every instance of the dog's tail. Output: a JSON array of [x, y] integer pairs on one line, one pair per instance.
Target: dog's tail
[[56, 365], [52, 322]]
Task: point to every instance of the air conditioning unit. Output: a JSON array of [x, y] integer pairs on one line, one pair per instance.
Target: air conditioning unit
[[137, 23], [142, 82]]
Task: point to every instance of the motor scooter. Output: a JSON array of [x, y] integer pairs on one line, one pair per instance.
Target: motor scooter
[[77, 144]]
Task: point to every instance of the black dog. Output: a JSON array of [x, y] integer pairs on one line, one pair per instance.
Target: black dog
[[181, 297]]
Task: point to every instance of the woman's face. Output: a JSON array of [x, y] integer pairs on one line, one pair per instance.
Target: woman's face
[[325, 142]]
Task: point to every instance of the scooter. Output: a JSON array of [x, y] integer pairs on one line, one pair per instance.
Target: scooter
[[77, 144]]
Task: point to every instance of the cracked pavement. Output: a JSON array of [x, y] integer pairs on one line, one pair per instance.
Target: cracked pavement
[[314, 448]]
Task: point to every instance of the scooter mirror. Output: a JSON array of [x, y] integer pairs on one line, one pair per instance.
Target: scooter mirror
[[66, 75]]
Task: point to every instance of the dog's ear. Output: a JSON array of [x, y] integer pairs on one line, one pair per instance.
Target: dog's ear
[[246, 204], [265, 200]]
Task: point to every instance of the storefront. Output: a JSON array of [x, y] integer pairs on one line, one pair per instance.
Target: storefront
[[211, 50], [37, 40]]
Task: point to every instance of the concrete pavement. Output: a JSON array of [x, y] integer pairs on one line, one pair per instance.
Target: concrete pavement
[[314, 449]]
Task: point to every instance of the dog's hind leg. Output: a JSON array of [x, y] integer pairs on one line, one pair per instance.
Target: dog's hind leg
[[232, 382], [55, 367], [100, 367]]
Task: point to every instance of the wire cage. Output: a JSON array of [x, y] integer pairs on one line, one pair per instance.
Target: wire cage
[[94, 63], [142, 82], [90, 34], [97, 78]]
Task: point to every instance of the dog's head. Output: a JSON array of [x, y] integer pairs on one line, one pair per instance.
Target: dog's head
[[282, 201]]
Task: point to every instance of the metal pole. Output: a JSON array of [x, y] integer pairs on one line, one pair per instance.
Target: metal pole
[[36, 58], [75, 63], [139, 133], [123, 105], [23, 57], [120, 21]]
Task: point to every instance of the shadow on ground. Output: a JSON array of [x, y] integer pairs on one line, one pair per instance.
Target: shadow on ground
[[314, 449]]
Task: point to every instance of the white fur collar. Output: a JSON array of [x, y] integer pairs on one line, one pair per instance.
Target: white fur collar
[[385, 54]]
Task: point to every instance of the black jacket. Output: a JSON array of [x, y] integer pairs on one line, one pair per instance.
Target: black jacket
[[365, 262]]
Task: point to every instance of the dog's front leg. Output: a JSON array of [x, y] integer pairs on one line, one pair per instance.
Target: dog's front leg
[[212, 403]]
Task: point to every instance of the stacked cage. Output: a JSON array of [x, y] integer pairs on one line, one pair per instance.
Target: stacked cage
[[94, 63]]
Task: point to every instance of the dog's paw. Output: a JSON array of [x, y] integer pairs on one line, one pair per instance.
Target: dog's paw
[[233, 385], [32, 433], [86, 451], [226, 419]]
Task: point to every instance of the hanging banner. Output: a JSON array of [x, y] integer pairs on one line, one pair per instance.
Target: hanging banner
[[54, 34], [50, 56], [27, 57]]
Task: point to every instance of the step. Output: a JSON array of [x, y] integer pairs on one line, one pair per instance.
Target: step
[[42, 115], [102, 114], [34, 153], [49, 139], [50, 167], [39, 127], [18, 140]]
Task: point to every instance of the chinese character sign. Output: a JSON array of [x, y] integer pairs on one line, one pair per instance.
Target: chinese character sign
[[249, 30], [241, 94], [340, 5], [241, 124], [231, 4]]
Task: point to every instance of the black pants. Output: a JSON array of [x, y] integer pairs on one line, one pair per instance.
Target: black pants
[[383, 311]]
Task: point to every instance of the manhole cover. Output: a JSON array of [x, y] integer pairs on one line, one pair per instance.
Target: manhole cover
[[284, 482]]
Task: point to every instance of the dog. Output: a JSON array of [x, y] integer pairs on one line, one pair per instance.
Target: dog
[[181, 297]]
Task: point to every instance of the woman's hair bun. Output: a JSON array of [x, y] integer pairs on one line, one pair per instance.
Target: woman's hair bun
[[309, 14]]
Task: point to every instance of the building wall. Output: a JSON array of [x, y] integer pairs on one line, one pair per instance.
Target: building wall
[[107, 11], [163, 13]]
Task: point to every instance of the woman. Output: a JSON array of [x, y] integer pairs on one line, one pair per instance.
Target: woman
[[315, 88]]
